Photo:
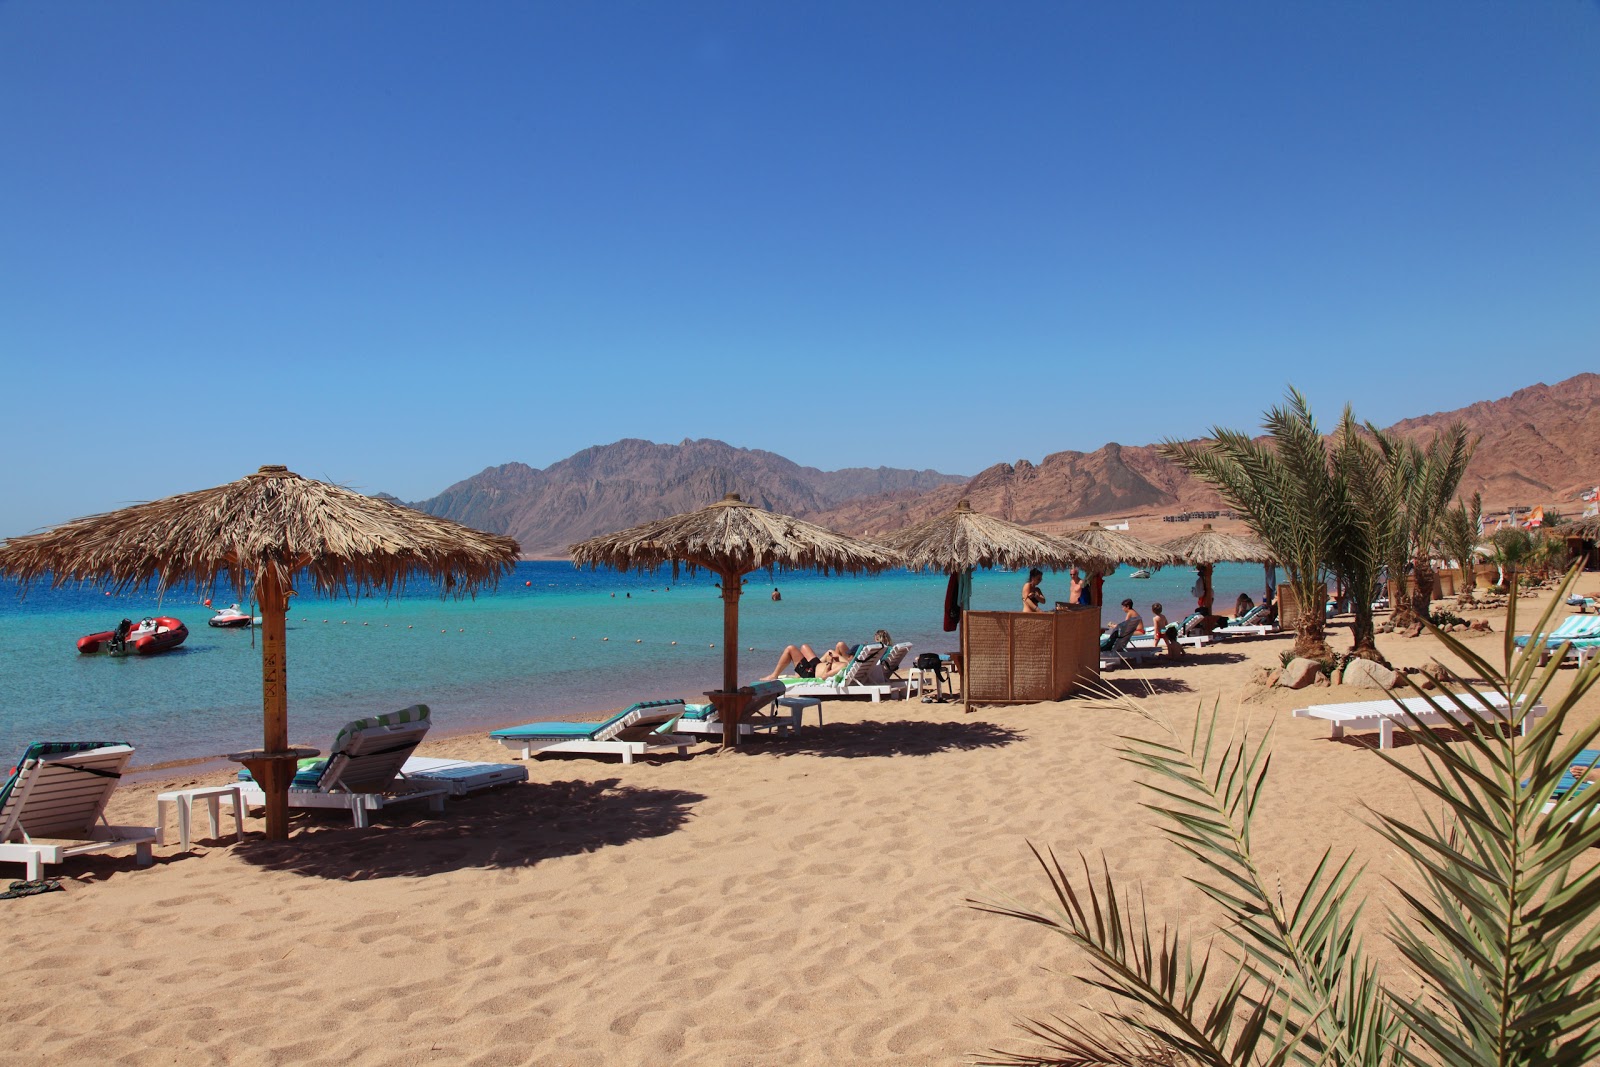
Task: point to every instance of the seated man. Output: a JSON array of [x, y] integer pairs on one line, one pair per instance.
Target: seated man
[[1116, 638]]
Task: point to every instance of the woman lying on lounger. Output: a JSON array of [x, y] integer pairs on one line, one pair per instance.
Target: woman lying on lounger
[[807, 664]]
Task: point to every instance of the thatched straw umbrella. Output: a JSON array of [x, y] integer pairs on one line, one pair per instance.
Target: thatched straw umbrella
[[1205, 548], [1111, 547], [964, 539], [961, 541], [732, 538], [271, 525]]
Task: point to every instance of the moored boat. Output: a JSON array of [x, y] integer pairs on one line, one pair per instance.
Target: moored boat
[[231, 616], [150, 636], [1140, 574]]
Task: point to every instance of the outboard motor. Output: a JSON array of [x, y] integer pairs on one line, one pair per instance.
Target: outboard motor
[[119, 639]]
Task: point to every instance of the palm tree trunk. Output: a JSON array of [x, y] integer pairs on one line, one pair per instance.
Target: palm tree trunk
[[1364, 633], [1311, 627], [1422, 599]]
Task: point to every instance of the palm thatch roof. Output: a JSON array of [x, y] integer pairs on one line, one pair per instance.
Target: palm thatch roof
[[733, 537], [1586, 529], [1206, 547], [964, 539], [1113, 546], [271, 520]]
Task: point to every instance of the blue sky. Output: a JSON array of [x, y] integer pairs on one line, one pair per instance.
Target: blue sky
[[390, 244]]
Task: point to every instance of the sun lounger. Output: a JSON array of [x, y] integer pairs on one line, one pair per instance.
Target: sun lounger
[[1582, 603], [1385, 715], [634, 731], [777, 713], [362, 773], [1151, 643], [1130, 656], [871, 672], [462, 776], [1249, 624], [52, 808], [1579, 774], [1571, 628]]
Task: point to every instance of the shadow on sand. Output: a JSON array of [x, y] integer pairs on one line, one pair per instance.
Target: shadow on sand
[[1137, 686], [516, 826], [903, 738]]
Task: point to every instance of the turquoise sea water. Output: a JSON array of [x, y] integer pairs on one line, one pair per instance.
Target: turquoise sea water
[[550, 642]]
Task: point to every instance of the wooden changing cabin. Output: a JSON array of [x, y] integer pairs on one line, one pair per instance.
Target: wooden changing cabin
[[1016, 657]]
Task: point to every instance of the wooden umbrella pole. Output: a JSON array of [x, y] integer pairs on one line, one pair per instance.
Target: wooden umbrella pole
[[731, 709], [274, 701]]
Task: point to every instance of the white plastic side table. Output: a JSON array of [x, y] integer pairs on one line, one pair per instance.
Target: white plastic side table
[[185, 798]]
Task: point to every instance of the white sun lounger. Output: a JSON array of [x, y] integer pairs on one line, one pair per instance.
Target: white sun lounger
[[362, 773], [870, 673], [462, 776], [1384, 715], [53, 806], [634, 731]]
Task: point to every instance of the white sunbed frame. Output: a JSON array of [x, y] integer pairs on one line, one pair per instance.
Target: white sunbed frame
[[1385, 715], [628, 736], [365, 776], [462, 776], [57, 808], [853, 685]]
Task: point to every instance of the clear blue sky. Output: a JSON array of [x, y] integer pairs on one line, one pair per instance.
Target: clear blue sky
[[390, 243]]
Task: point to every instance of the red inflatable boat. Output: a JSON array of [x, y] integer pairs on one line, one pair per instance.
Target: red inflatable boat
[[146, 639]]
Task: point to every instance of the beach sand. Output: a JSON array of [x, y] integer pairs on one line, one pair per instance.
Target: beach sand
[[802, 901]]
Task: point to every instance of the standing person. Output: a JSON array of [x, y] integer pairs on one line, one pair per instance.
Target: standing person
[[1075, 591], [775, 594], [1032, 595]]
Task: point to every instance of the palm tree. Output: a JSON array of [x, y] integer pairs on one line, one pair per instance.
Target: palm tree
[[1290, 497], [1426, 479], [1363, 546], [1458, 538], [1511, 548]]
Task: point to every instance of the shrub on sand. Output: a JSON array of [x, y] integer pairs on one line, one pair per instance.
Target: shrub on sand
[[1503, 938]]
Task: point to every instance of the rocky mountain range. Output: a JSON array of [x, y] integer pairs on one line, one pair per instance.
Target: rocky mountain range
[[609, 487], [1541, 445]]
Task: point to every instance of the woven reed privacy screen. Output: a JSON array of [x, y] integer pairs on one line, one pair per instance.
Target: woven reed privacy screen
[[1012, 657], [1289, 608]]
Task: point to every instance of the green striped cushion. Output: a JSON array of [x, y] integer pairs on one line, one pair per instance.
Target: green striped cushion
[[41, 749], [416, 713]]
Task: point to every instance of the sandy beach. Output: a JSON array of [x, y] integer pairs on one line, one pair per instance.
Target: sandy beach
[[801, 901]]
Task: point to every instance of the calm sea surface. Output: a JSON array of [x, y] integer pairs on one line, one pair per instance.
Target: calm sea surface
[[550, 642]]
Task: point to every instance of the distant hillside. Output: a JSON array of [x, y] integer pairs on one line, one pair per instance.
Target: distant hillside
[[610, 487], [1539, 445]]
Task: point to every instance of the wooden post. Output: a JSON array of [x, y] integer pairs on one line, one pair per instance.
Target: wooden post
[[732, 708], [274, 701]]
